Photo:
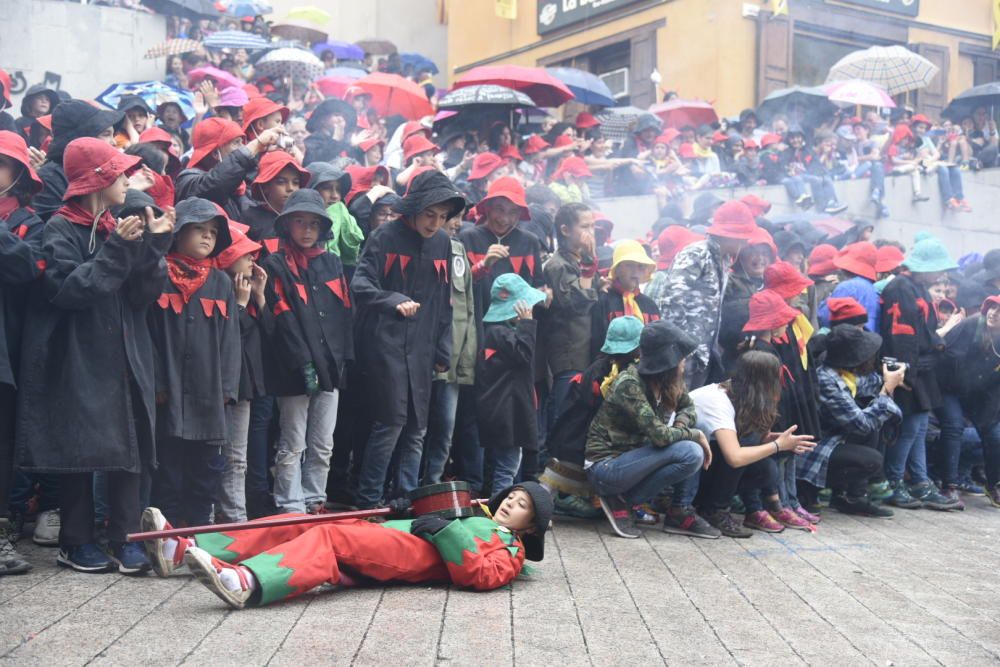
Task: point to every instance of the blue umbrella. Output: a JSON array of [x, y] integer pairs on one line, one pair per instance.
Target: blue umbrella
[[348, 72], [243, 8], [588, 88], [418, 62], [153, 93], [235, 39], [341, 50]]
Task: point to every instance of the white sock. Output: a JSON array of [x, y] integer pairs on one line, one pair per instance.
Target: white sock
[[169, 547], [231, 580]]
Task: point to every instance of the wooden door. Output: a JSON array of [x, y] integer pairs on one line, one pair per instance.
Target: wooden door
[[641, 90], [774, 54], [934, 98]]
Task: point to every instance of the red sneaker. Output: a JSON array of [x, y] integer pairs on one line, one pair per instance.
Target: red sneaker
[[966, 207], [788, 518], [762, 521], [954, 204]]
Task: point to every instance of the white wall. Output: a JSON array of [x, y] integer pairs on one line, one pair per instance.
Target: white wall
[[89, 46]]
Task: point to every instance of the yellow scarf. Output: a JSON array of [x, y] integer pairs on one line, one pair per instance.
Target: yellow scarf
[[851, 380], [803, 330], [606, 383], [700, 152]]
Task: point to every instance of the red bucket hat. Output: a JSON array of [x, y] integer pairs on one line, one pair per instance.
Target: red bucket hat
[[585, 120], [821, 260], [534, 144], [272, 163], [510, 152], [920, 118], [858, 258], [485, 164], [563, 140], [362, 179], [756, 205], [769, 140], [762, 237], [574, 166], [750, 144], [888, 258], [733, 220], [261, 107], [12, 145], [846, 310], [416, 144], [671, 241], [210, 134], [92, 165], [241, 245], [370, 143], [510, 188], [785, 279], [769, 311]]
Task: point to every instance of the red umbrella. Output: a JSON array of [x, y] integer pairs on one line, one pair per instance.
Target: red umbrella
[[535, 82], [678, 113], [393, 94], [335, 86]]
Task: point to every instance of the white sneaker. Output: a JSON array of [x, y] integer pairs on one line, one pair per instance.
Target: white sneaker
[[47, 529]]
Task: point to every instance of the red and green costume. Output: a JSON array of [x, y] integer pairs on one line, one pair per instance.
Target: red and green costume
[[288, 561]]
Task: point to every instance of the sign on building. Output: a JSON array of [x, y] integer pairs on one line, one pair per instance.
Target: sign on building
[[905, 7], [555, 14]]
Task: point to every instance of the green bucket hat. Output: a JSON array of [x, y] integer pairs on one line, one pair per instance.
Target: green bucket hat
[[507, 290], [929, 256], [623, 335]]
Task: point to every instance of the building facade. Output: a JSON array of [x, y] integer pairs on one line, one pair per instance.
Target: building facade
[[730, 52]]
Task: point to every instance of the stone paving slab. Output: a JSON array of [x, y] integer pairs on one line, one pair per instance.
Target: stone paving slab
[[919, 589]]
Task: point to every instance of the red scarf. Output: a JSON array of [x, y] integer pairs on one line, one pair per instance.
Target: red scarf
[[298, 258], [7, 206], [162, 191], [78, 215], [187, 274]]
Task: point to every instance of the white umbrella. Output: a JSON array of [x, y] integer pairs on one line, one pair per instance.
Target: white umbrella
[[895, 68], [296, 63]]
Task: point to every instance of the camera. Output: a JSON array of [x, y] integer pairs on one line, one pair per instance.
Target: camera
[[892, 363], [285, 142]]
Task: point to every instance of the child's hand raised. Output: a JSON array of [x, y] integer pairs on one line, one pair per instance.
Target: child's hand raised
[[162, 225], [523, 310], [258, 279], [242, 287], [130, 228]]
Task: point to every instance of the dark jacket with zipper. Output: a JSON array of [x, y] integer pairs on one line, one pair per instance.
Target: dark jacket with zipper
[[87, 380], [505, 378], [220, 184], [312, 323]]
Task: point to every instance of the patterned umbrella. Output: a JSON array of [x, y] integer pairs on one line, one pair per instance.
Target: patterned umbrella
[[860, 92], [235, 39], [153, 93], [340, 50], [486, 94], [173, 47], [393, 94], [894, 68], [244, 8], [588, 88], [617, 122], [296, 63], [296, 30]]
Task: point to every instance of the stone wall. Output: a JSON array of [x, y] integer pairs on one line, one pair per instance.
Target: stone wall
[[962, 232], [78, 48]]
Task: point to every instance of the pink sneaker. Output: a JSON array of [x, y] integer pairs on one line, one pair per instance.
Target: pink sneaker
[[807, 515], [787, 517], [762, 521]]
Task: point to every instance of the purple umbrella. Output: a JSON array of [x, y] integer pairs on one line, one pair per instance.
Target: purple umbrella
[[341, 50]]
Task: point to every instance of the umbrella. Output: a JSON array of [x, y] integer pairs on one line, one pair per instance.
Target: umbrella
[[393, 94], [377, 47], [678, 113], [797, 102], [244, 8], [346, 72], [296, 63], [334, 86], [894, 68], [222, 78], [985, 95], [341, 50], [857, 91], [188, 9], [310, 14], [417, 62], [617, 122], [173, 47], [235, 39], [539, 85], [588, 88], [488, 94], [298, 31], [153, 93]]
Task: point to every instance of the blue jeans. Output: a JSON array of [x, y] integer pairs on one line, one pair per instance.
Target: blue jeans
[[506, 462], [822, 189], [440, 427], [910, 451], [950, 182], [877, 172], [643, 473], [794, 186], [466, 452], [952, 422], [407, 441], [258, 462], [560, 393]]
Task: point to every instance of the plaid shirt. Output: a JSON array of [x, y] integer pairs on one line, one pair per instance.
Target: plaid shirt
[[843, 420]]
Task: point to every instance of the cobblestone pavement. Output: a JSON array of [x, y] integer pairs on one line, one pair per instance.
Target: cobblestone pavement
[[920, 589]]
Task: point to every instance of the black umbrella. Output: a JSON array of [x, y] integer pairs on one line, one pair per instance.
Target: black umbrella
[[486, 94], [986, 95], [800, 104], [188, 9]]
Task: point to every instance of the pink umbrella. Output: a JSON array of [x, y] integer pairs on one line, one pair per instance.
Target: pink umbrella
[[393, 94], [222, 79], [678, 113], [535, 82], [334, 86], [856, 91]]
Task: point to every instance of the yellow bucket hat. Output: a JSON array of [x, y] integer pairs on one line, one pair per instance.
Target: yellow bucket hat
[[630, 251]]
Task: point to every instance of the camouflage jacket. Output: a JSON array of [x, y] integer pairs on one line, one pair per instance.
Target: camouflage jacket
[[692, 298], [628, 419]]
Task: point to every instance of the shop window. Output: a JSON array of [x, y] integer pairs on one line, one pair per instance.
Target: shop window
[[813, 57]]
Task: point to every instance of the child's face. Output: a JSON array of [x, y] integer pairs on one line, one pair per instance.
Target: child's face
[[303, 228], [39, 105], [108, 136], [373, 155], [629, 274], [268, 121], [516, 511], [380, 215], [796, 141], [755, 259], [502, 215], [241, 267], [453, 225], [938, 291], [329, 192], [10, 169], [431, 219], [171, 116], [114, 194], [659, 151], [138, 118], [704, 140], [197, 240], [280, 188], [581, 235]]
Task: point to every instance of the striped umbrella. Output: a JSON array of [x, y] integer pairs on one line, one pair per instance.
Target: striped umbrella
[[617, 122], [235, 39], [296, 63], [173, 47], [894, 68]]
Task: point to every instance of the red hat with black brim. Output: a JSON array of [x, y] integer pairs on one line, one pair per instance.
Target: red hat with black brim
[[768, 311], [508, 188], [846, 310], [785, 279]]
